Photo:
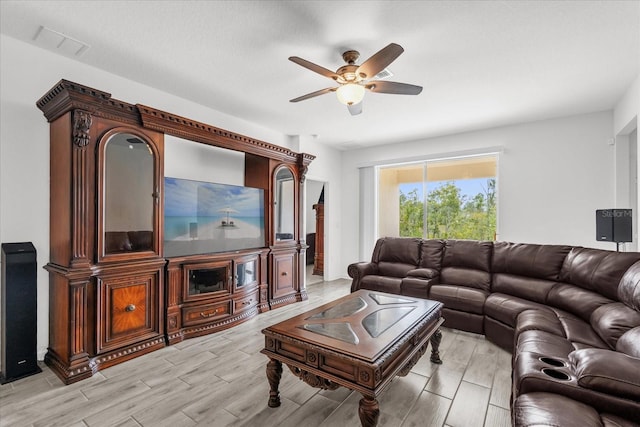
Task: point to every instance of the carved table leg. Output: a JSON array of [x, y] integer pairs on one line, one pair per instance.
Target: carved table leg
[[274, 373], [369, 411], [435, 347]]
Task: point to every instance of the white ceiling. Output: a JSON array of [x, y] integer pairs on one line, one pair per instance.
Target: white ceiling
[[481, 63]]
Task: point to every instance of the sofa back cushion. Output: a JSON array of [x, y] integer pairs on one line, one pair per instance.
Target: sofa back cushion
[[611, 321], [575, 300], [523, 287], [597, 270], [529, 260], [405, 250], [394, 269], [629, 288], [467, 263], [431, 252], [629, 342]]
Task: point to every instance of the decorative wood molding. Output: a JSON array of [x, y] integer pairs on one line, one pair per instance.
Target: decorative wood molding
[[183, 127], [302, 163], [67, 96], [312, 379]]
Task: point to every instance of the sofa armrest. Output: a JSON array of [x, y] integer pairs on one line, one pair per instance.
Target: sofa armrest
[[358, 270], [423, 273], [607, 371]]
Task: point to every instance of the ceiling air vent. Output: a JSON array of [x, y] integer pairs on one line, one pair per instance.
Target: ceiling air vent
[[384, 74], [59, 43]]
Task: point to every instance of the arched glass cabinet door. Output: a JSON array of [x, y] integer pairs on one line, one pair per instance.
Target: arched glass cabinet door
[[129, 194], [284, 204]]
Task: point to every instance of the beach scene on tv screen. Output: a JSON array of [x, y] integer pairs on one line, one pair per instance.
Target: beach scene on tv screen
[[204, 217]]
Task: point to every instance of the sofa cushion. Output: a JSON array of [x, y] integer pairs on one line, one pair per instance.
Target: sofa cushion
[[608, 372], [629, 288], [562, 324], [578, 331], [459, 297], [506, 308], [381, 283], [576, 300], [431, 252], [400, 250], [523, 287], [629, 342], [610, 321], [597, 270], [550, 409], [465, 277], [529, 260]]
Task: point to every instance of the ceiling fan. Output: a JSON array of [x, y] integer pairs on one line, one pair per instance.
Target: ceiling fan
[[354, 79]]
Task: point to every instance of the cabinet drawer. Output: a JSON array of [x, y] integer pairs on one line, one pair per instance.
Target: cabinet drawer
[[248, 301], [205, 313]]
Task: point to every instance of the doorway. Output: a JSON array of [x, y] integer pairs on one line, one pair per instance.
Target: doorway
[[314, 269]]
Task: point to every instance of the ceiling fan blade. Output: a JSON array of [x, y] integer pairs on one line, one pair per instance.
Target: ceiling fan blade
[[382, 86], [355, 109], [314, 94], [379, 61], [314, 67]]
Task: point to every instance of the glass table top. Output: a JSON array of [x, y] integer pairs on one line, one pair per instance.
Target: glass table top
[[347, 308], [379, 321], [374, 323]]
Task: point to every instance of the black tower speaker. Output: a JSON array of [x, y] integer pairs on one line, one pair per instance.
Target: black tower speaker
[[614, 225], [19, 312]]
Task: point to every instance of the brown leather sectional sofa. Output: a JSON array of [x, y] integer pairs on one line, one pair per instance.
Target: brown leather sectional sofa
[[569, 315]]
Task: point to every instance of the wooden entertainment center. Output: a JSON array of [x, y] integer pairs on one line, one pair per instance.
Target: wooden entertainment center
[[113, 295]]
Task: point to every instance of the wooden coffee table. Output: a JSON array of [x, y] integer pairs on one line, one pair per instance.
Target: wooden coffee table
[[360, 341]]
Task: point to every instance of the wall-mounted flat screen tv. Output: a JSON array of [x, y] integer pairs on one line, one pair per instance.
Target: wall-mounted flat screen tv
[[205, 217]]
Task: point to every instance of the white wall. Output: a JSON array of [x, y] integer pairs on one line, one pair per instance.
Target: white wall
[[625, 127], [191, 160], [626, 110], [27, 73], [327, 167], [552, 174]]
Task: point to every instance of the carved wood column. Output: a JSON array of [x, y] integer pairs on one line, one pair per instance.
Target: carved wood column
[[81, 204], [173, 314], [302, 163]]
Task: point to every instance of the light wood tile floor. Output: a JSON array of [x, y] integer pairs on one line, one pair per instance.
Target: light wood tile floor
[[219, 380]]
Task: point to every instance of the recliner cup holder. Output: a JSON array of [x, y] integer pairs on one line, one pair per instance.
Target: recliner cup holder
[[556, 374], [551, 361]]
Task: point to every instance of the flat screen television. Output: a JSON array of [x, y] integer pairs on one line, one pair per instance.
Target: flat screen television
[[206, 217]]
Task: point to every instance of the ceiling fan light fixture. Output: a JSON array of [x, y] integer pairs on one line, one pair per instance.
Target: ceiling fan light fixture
[[350, 93]]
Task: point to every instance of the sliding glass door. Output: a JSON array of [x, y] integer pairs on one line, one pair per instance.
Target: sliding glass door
[[443, 199]]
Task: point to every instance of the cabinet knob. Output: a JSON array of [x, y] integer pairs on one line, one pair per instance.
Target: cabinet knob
[[130, 308], [284, 273]]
